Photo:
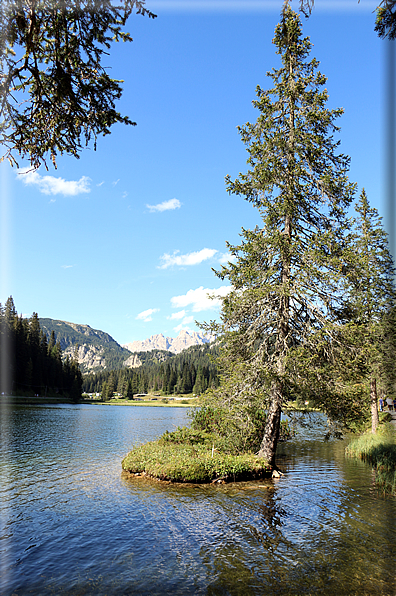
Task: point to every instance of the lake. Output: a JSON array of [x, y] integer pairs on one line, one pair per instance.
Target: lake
[[73, 524]]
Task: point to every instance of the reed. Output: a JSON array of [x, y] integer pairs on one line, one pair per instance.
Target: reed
[[379, 450]]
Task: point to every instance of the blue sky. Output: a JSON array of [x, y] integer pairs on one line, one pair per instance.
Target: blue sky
[[124, 239]]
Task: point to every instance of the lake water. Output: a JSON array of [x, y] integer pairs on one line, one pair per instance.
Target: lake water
[[72, 524]]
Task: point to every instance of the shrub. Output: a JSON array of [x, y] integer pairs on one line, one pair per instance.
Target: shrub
[[235, 434], [187, 436]]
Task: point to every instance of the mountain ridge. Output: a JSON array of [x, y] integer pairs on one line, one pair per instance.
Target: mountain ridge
[[97, 350], [184, 340]]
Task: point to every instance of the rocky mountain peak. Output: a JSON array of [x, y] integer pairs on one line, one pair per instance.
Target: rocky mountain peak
[[184, 340]]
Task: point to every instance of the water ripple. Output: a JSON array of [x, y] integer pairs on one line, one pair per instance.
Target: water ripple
[[73, 524]]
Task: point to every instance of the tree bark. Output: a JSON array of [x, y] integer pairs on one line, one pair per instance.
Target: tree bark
[[374, 405], [271, 434]]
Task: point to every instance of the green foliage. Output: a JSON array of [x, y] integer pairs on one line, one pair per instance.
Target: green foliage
[[234, 430], [186, 462], [369, 278], [371, 269], [286, 277], [188, 436], [385, 23], [370, 328], [56, 94]]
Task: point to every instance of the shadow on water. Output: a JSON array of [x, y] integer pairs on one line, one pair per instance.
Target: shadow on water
[[296, 535], [321, 529]]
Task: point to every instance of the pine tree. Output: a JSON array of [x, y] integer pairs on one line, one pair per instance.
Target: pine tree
[[372, 298], [104, 392], [185, 380], [34, 344], [172, 380], [52, 342], [286, 278], [10, 312], [7, 347], [110, 385], [200, 385], [58, 368], [167, 375], [134, 383], [121, 384], [129, 390]]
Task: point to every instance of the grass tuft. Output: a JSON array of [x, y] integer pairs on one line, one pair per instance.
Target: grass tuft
[[379, 450]]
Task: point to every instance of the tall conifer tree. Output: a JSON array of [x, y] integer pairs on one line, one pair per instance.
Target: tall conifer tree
[[286, 276], [372, 299]]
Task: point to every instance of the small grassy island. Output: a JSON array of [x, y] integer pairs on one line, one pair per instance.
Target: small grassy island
[[186, 455], [203, 453]]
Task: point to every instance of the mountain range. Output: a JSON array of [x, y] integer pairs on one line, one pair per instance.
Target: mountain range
[[184, 340], [97, 350]]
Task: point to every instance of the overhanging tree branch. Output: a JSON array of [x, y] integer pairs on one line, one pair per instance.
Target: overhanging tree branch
[[55, 93], [385, 23]]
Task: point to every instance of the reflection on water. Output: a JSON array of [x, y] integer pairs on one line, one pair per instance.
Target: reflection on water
[[72, 523]]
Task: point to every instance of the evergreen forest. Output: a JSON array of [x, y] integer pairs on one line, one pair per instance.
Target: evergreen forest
[[32, 364], [193, 370]]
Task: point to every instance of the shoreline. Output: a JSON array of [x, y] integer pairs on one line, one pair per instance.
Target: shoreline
[[172, 403], [144, 403], [39, 401], [26, 400]]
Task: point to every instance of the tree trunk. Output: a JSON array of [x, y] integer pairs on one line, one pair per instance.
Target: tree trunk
[[272, 427], [374, 405]]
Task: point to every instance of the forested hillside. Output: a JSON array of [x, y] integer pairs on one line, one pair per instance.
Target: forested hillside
[[193, 370], [97, 350], [32, 364]]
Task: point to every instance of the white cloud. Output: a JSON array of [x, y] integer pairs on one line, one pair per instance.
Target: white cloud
[[177, 315], [192, 258], [199, 298], [165, 206], [146, 315], [67, 266], [115, 182], [100, 183], [49, 185], [226, 258], [187, 320], [184, 324]]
